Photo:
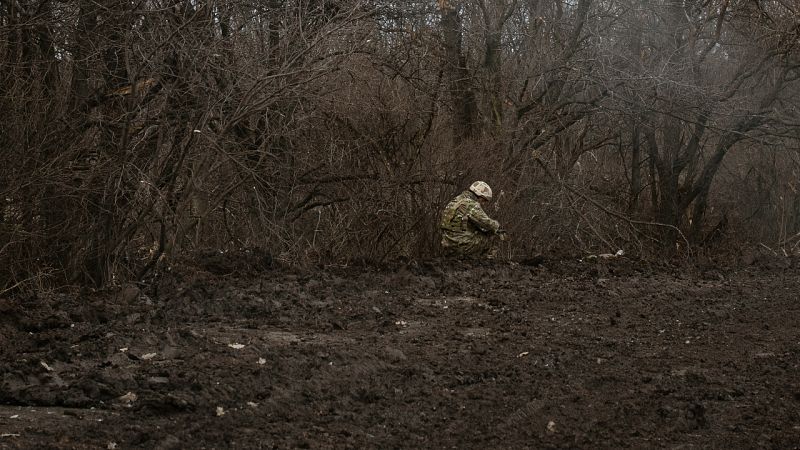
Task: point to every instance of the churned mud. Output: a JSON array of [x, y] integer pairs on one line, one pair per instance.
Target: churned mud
[[566, 354]]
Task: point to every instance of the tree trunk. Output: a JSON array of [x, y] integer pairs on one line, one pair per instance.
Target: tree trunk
[[636, 176], [462, 97]]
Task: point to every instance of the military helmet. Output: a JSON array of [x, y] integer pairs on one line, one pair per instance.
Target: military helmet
[[481, 189]]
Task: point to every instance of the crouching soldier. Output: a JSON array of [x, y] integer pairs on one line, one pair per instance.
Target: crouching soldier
[[467, 231]]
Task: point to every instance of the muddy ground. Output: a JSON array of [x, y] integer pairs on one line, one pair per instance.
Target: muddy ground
[[578, 354]]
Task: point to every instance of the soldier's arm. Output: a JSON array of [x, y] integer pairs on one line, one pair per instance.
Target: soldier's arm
[[481, 220]]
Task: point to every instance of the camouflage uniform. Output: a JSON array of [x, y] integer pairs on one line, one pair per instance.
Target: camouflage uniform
[[466, 229]]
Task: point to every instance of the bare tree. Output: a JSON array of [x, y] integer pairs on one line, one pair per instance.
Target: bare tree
[[329, 131], [699, 85]]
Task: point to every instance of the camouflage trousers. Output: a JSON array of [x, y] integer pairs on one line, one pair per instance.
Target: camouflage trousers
[[475, 245]]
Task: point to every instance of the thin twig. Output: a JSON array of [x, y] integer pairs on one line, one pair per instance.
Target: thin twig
[[615, 214]]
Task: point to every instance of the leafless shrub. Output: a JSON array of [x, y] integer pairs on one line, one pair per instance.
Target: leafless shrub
[[334, 131]]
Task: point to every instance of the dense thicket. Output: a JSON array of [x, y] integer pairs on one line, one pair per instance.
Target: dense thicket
[[334, 130]]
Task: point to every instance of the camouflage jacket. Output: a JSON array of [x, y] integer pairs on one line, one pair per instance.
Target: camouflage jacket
[[463, 216]]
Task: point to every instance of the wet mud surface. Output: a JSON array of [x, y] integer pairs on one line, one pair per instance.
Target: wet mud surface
[[565, 354]]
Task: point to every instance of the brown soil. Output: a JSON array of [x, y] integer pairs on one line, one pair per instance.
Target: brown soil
[[594, 354]]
